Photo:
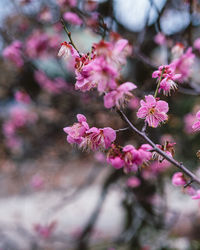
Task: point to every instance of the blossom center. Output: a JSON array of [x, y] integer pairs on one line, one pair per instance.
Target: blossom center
[[152, 111]]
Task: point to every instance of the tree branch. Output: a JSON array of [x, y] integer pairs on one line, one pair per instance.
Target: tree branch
[[180, 166]]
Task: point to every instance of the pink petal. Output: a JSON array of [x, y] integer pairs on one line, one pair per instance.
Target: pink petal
[[162, 106], [150, 100], [127, 86], [81, 118], [109, 99]]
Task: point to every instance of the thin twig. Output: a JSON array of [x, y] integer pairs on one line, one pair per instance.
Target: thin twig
[[70, 36], [144, 127], [187, 184], [122, 129]]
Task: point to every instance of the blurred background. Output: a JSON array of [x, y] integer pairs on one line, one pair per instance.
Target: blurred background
[[53, 195]]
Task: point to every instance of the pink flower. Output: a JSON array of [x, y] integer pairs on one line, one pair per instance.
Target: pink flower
[[178, 179], [100, 157], [134, 158], [21, 96], [21, 116], [45, 15], [78, 130], [167, 71], [119, 96], [72, 18], [183, 65], [197, 44], [96, 73], [116, 161], [55, 86], [196, 125], [134, 103], [145, 153], [37, 44], [167, 85], [89, 138], [114, 53], [115, 157], [98, 138], [66, 50], [14, 53], [168, 77], [160, 38], [190, 190], [133, 182], [153, 111], [197, 195], [157, 167]]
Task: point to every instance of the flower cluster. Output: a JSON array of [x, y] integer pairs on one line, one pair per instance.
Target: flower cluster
[[128, 157], [183, 65], [169, 77], [14, 53], [40, 44], [101, 69], [55, 86], [19, 117], [89, 138]]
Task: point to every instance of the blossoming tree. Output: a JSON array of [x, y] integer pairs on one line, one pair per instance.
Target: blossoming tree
[[123, 75]]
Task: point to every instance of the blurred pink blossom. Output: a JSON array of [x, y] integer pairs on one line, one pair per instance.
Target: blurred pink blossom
[[197, 44], [72, 18], [160, 38], [178, 179], [14, 53], [133, 182], [21, 96]]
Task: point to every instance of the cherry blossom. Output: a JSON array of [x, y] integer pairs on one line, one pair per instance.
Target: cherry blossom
[[119, 96], [153, 111], [66, 50], [183, 65], [178, 179], [72, 18], [14, 53], [134, 158], [21, 96], [133, 182], [115, 157], [78, 130], [168, 78], [98, 138], [160, 39], [55, 86]]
